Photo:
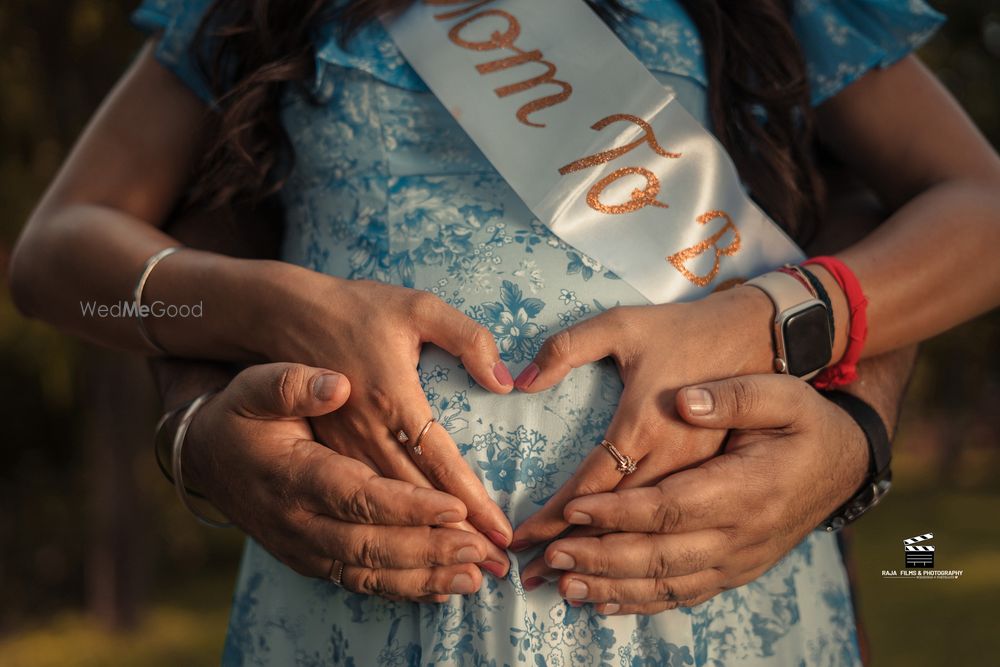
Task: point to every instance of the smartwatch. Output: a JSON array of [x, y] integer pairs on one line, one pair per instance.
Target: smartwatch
[[803, 342]]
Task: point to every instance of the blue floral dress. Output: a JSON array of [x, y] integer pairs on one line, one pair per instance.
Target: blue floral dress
[[388, 187]]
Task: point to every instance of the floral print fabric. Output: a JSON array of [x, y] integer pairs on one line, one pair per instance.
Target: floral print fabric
[[388, 187]]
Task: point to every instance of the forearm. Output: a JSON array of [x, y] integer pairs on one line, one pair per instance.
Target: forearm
[[926, 269], [84, 257], [245, 234], [930, 266]]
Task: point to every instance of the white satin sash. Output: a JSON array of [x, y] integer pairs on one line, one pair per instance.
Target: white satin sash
[[596, 147]]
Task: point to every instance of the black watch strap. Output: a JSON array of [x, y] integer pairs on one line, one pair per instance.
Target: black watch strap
[[879, 478], [879, 447]]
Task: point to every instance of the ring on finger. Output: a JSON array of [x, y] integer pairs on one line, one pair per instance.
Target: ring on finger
[[417, 448], [626, 465], [402, 437], [336, 573]]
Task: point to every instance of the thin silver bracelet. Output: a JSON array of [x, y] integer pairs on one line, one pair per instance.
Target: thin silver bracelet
[[137, 295], [175, 460]]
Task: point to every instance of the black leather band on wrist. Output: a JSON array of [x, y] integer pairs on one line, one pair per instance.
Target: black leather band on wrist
[[879, 478], [879, 447], [823, 295]]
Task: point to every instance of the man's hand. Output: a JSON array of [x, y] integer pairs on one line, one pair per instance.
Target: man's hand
[[793, 458], [251, 452]]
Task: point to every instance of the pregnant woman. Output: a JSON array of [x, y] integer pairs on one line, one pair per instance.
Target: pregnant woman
[[398, 232]]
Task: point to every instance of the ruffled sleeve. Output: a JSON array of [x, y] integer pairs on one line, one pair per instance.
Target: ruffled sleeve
[[843, 39], [177, 22], [370, 50]]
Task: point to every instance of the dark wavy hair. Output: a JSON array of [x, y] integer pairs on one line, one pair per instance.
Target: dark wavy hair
[[758, 94]]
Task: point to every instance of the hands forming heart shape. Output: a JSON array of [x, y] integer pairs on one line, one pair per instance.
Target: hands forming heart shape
[[411, 526]]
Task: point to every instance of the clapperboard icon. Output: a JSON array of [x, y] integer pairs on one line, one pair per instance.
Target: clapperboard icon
[[918, 555]]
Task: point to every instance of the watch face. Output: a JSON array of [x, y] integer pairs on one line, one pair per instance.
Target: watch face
[[807, 340]]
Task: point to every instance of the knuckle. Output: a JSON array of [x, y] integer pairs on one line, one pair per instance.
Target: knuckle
[[559, 345], [380, 400], [422, 305], [745, 397], [663, 590], [370, 582], [667, 515], [288, 386], [602, 564], [356, 505], [370, 552], [478, 337], [659, 565]]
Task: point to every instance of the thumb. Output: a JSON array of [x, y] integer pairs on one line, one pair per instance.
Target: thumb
[[287, 390], [747, 402]]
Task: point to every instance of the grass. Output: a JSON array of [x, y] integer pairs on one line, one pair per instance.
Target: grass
[[185, 626]]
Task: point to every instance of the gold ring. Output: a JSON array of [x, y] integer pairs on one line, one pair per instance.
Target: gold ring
[[417, 449], [338, 578], [626, 465]]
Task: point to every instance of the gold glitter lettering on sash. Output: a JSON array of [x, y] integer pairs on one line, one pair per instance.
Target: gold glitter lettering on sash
[[497, 39], [506, 40], [640, 198], [648, 137], [678, 260]]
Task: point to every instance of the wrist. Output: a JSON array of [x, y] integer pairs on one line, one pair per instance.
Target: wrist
[[868, 462], [207, 306], [193, 455], [287, 298], [749, 313], [180, 381]]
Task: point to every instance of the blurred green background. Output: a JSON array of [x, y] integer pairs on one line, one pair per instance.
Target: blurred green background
[[99, 565]]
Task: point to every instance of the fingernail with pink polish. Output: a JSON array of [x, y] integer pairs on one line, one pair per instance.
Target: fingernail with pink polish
[[502, 374], [527, 376], [520, 545], [494, 568], [533, 583], [498, 538]]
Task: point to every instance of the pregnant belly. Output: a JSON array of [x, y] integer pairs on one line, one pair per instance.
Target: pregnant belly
[[468, 239]]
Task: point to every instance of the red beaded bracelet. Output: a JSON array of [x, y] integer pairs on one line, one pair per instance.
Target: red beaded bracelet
[[845, 371]]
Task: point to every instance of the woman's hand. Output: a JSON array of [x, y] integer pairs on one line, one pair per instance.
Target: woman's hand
[[657, 349], [251, 451], [373, 334], [796, 458]]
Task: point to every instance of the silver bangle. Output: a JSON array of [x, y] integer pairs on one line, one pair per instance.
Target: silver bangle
[[175, 460], [137, 295]]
